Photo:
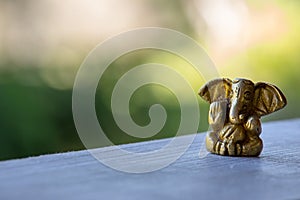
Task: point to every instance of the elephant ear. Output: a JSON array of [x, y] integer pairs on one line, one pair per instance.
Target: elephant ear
[[215, 90], [267, 99]]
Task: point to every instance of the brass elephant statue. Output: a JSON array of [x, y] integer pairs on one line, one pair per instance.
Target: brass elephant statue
[[234, 115]]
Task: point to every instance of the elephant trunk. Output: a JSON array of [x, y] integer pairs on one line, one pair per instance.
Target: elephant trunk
[[235, 115]]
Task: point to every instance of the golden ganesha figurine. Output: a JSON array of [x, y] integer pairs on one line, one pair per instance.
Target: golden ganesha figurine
[[234, 115]]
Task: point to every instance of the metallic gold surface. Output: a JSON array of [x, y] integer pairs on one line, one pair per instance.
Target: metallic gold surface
[[234, 115]]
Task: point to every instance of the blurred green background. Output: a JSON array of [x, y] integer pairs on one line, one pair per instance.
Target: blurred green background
[[43, 43]]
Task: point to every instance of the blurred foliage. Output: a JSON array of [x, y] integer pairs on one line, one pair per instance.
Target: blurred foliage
[[36, 102], [145, 96], [35, 120]]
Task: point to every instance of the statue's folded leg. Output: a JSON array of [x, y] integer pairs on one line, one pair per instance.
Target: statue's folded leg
[[214, 145], [252, 147], [211, 141]]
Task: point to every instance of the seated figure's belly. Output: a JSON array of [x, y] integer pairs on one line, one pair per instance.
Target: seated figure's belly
[[232, 133]]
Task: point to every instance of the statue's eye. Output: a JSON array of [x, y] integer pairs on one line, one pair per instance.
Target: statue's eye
[[247, 95]]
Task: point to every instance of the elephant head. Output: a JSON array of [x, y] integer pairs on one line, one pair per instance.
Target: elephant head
[[244, 98]]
